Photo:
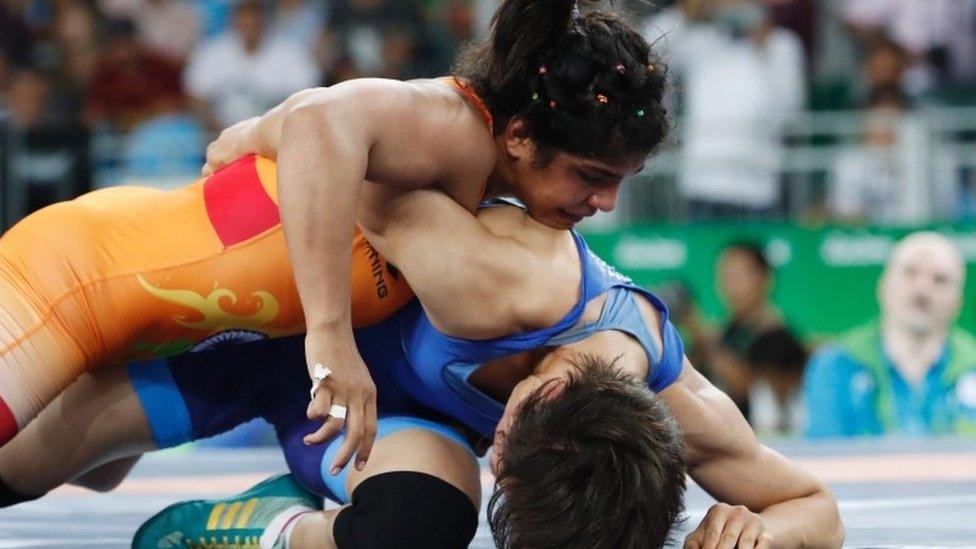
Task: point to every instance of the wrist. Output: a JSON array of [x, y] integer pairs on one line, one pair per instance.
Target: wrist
[[330, 326]]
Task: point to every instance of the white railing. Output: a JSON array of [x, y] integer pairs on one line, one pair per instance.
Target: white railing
[[934, 152]]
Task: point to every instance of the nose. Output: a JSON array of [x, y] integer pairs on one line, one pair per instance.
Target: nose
[[605, 199]]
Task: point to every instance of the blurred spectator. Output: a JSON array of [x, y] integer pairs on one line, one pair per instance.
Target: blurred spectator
[[244, 72], [799, 16], [51, 160], [864, 184], [452, 24], [167, 27], [302, 21], [912, 371], [132, 83], [938, 34], [380, 37], [686, 315], [884, 66], [165, 149], [74, 56], [214, 16], [756, 345], [740, 79], [14, 39]]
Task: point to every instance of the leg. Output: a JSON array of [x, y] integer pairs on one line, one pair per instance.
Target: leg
[[420, 488], [108, 476], [96, 420]]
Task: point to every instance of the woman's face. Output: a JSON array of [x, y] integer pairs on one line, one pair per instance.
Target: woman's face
[[741, 282], [571, 188]]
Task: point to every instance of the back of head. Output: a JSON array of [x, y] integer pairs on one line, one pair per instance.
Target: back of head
[[585, 83], [599, 466]]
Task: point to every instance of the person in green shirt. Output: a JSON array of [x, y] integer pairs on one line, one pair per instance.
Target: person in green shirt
[[912, 371]]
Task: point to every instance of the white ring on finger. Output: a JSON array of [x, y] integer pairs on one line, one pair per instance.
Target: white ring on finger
[[338, 411]]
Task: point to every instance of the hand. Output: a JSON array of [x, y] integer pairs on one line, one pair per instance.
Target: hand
[[729, 527], [232, 143], [349, 385]]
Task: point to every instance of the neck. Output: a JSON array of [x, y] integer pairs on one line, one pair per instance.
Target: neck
[[753, 313], [913, 352], [501, 176]]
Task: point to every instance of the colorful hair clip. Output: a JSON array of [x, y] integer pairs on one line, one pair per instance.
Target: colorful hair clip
[[535, 97], [621, 68], [552, 104], [602, 99], [543, 70], [640, 113]]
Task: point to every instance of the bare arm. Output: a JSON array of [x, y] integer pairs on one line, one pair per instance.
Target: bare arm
[[726, 459], [457, 265]]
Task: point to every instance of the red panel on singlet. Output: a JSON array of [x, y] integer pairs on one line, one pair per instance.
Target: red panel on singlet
[[237, 204]]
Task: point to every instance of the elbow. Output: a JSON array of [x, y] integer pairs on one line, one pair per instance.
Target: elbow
[[304, 121], [832, 530]]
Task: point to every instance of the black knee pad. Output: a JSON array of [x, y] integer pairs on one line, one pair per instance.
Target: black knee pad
[[404, 509]]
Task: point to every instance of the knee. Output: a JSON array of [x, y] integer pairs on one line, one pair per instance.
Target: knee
[[406, 509], [106, 477]]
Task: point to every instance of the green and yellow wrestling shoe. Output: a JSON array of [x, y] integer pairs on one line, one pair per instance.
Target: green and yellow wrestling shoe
[[250, 520]]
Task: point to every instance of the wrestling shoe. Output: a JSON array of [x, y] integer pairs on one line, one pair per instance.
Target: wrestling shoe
[[238, 522]]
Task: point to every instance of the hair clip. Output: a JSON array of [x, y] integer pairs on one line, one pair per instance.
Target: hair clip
[[650, 67], [552, 103], [602, 99], [621, 68], [543, 70], [640, 113], [535, 97]]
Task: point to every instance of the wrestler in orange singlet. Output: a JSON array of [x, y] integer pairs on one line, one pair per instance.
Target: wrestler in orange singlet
[[131, 272]]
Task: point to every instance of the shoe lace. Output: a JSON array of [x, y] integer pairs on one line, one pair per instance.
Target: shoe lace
[[224, 542]]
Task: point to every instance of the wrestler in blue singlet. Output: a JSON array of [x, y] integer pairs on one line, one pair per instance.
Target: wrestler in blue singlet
[[421, 376]]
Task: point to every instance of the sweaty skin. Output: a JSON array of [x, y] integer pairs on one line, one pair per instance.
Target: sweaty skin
[[766, 499], [348, 150]]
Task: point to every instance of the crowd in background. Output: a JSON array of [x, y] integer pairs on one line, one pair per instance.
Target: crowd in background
[[103, 92]]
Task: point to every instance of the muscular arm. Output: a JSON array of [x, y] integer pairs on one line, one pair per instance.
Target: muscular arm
[[478, 278], [727, 460], [330, 142]]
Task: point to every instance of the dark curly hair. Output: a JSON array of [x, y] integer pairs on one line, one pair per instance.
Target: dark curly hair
[[600, 466], [585, 83]]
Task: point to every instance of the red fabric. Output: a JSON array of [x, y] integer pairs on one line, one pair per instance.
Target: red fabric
[[8, 423], [237, 204]]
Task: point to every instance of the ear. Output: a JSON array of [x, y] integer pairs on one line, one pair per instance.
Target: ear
[[518, 142]]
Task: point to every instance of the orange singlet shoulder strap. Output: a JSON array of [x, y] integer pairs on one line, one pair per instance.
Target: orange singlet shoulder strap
[[472, 98], [475, 101]]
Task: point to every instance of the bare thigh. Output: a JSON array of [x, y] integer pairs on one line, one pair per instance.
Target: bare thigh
[[95, 421]]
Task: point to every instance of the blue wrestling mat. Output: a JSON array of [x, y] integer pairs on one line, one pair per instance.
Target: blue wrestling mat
[[896, 493]]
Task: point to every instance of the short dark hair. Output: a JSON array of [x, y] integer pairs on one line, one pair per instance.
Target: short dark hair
[[600, 466], [585, 83], [754, 251]]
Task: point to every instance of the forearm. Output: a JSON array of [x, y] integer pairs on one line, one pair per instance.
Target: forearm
[[812, 521]]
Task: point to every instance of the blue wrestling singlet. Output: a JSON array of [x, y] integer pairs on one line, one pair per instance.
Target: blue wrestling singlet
[[421, 376]]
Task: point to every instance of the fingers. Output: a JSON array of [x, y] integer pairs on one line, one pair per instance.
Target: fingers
[[728, 527], [354, 433], [750, 536], [369, 434], [319, 409], [360, 422]]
